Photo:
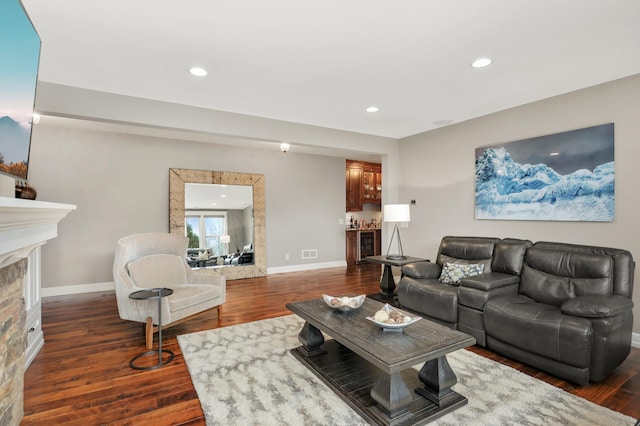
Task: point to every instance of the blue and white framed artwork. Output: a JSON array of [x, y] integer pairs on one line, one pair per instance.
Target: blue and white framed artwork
[[568, 176]]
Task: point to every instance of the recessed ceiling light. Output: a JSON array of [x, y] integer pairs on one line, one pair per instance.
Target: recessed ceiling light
[[481, 63], [223, 195], [198, 72], [373, 109]]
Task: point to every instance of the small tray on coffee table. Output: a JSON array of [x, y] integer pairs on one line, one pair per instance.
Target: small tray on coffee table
[[396, 326]]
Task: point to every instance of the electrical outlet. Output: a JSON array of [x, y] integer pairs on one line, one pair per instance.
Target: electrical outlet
[[286, 256]]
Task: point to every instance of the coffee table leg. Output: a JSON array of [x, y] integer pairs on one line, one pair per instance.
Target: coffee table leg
[[387, 283], [393, 397], [438, 378], [311, 339]]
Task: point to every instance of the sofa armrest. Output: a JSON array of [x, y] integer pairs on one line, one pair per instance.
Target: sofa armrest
[[490, 281], [596, 306], [421, 270]]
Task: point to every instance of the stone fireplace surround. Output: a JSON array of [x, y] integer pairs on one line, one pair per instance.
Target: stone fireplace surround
[[25, 225]]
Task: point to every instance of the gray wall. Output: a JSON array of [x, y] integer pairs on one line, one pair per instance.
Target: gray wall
[[438, 172], [119, 183]]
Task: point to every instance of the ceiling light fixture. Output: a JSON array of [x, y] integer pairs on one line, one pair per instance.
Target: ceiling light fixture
[[373, 109], [198, 72], [553, 154], [481, 63]]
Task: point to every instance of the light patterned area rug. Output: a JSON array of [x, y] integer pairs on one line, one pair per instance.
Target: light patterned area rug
[[245, 375]]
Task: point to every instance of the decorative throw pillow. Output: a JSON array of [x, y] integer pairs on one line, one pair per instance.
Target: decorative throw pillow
[[452, 273]]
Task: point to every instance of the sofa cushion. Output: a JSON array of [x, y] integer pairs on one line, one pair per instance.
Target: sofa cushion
[[508, 255], [452, 273], [158, 270], [430, 298], [421, 270], [447, 259], [554, 276], [467, 250], [539, 328]]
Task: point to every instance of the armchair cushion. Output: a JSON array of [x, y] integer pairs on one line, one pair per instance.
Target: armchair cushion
[[596, 306], [452, 273], [158, 270], [188, 295]]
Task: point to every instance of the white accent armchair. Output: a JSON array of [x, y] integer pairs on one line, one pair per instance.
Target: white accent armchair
[[154, 260]]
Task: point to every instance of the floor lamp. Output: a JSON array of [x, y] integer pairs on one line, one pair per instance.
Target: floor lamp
[[396, 213], [225, 239]]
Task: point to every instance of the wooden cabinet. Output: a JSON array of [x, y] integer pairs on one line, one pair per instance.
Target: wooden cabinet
[[352, 247], [364, 184], [372, 183], [354, 188], [362, 243]]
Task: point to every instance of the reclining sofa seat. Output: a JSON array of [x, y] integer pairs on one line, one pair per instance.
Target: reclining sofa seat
[[572, 315], [421, 291]]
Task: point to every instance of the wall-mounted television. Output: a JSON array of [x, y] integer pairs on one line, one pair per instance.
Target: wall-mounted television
[[19, 59]]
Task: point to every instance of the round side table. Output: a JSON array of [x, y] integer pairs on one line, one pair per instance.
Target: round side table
[[153, 293]]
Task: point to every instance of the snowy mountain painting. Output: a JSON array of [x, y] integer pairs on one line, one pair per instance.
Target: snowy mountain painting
[[567, 176]]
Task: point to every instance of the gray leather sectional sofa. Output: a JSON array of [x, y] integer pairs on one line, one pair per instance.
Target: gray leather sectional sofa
[[563, 308]]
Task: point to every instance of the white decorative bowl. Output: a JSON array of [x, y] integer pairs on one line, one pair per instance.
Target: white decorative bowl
[[407, 319], [344, 304]]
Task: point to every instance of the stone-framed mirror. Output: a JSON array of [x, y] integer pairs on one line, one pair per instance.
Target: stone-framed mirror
[[181, 179]]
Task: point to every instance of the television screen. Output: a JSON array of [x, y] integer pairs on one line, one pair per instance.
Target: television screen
[[19, 58]]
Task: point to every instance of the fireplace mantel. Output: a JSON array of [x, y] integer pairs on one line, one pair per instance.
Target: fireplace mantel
[[26, 224]]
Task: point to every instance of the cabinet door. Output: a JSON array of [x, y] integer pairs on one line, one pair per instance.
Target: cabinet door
[[352, 247], [378, 243], [379, 186], [369, 185], [354, 189]]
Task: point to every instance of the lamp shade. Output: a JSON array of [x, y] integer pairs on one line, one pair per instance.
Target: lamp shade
[[396, 213], [225, 239]]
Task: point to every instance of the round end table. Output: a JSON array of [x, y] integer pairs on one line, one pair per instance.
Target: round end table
[[153, 293]]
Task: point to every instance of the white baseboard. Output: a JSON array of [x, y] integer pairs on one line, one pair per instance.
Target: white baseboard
[[635, 340], [77, 289], [305, 267]]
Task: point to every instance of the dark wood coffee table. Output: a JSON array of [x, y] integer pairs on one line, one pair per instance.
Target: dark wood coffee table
[[370, 369]]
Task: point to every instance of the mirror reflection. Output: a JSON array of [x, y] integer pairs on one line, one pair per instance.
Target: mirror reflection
[[219, 224], [228, 237]]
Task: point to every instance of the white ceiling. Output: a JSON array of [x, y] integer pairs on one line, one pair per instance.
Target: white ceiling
[[324, 62], [200, 196]]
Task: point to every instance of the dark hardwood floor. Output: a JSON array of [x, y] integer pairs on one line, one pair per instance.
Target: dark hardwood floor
[[82, 375]]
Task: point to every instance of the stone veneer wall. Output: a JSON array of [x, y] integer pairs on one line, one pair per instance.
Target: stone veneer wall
[[13, 342]]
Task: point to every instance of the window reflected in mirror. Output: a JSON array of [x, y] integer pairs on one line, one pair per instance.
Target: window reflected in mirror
[[219, 224]]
